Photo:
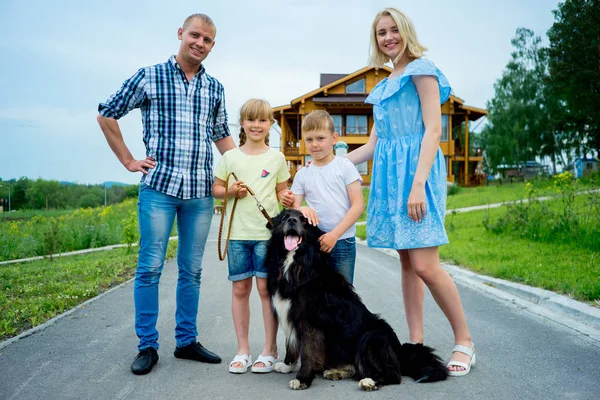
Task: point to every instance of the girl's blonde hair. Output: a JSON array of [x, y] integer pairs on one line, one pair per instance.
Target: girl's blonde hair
[[255, 109], [407, 32]]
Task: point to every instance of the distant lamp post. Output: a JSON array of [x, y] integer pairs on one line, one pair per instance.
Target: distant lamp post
[[7, 187]]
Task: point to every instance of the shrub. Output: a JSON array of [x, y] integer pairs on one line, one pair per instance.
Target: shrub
[[82, 229], [453, 189], [571, 219]]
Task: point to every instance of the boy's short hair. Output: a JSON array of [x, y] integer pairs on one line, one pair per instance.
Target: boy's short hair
[[318, 120]]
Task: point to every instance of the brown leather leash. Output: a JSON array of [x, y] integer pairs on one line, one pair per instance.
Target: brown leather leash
[[224, 211]]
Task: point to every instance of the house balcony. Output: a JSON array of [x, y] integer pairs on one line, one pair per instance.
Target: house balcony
[[475, 153], [291, 149]]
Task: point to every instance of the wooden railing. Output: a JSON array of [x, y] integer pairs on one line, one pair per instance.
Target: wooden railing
[[291, 148], [473, 151]]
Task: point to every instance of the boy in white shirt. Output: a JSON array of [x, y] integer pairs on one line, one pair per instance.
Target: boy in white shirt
[[332, 189]]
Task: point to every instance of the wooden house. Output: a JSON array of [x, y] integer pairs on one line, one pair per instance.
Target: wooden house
[[343, 97]]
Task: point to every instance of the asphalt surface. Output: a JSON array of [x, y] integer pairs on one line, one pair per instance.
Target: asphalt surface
[[531, 344]]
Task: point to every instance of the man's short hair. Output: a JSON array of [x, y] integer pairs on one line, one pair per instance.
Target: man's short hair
[[202, 17]]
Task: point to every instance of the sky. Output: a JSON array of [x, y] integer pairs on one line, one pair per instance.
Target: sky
[[60, 58]]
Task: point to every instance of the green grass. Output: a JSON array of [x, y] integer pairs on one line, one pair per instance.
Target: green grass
[[38, 233], [34, 292], [570, 221], [562, 268], [559, 267], [474, 196], [363, 216], [479, 195]]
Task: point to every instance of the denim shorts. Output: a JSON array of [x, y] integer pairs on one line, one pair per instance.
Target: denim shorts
[[343, 257], [246, 258]]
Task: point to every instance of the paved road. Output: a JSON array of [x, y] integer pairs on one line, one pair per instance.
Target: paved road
[[87, 354]]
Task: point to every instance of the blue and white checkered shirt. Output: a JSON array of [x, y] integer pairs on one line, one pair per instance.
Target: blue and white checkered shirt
[[179, 121]]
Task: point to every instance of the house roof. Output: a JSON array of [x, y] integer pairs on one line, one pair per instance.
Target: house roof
[[282, 108], [355, 98], [326, 79], [331, 80], [344, 78], [474, 112]]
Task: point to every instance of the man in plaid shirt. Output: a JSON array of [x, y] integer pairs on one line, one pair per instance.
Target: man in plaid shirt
[[183, 112]]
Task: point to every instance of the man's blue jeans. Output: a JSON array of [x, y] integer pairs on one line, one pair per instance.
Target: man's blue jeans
[[156, 214]]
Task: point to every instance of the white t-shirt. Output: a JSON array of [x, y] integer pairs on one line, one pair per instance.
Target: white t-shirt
[[325, 191]]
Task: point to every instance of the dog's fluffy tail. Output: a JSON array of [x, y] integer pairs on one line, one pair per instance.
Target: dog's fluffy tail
[[420, 363]]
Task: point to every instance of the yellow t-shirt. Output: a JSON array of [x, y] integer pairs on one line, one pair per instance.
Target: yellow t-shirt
[[261, 173]]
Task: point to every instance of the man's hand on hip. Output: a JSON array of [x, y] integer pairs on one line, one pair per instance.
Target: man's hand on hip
[[141, 165]]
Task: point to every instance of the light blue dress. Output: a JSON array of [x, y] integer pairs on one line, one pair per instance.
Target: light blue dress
[[399, 126]]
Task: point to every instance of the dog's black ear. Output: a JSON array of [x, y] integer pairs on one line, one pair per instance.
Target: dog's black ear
[[316, 230], [275, 220]]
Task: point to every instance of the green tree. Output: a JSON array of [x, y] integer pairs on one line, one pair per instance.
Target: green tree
[[512, 135], [19, 196], [43, 194], [575, 68], [27, 194], [91, 200], [557, 139]]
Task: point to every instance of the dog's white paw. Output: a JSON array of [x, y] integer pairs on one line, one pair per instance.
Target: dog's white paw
[[332, 374], [297, 385], [367, 384], [336, 374], [282, 368]]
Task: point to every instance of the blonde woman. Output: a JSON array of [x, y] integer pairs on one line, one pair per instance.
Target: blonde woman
[[407, 201]]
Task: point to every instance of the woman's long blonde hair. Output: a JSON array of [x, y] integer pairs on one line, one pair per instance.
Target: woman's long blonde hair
[[407, 32], [255, 109]]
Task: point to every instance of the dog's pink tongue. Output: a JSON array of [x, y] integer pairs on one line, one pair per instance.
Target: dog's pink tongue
[[292, 242]]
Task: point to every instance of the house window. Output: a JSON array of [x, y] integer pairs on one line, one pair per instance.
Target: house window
[[444, 128], [363, 168], [356, 124], [337, 123], [356, 87]]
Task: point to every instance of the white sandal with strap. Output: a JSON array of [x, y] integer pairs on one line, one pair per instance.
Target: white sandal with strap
[[470, 351], [269, 362], [244, 359]]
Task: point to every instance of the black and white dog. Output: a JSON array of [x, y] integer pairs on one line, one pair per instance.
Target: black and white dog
[[327, 327]]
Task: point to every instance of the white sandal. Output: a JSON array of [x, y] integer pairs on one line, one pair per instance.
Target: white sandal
[[269, 362], [470, 351], [244, 359]]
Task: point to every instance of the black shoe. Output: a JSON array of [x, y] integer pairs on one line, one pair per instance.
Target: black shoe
[[144, 361], [196, 352]]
